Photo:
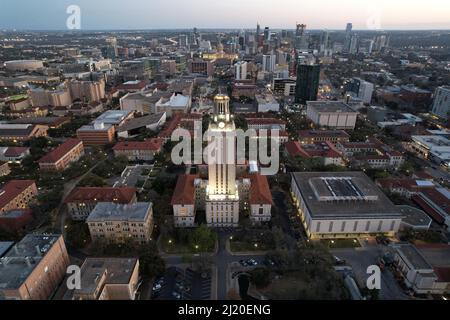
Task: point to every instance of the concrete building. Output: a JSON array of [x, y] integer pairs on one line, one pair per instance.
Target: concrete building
[[4, 169], [176, 103], [240, 70], [331, 114], [268, 62], [87, 91], [96, 134], [107, 279], [361, 89], [376, 114], [138, 150], [135, 126], [201, 67], [24, 65], [432, 147], [260, 199], [342, 205], [266, 103], [313, 136], [60, 158], [54, 98], [82, 200], [17, 194], [116, 223], [222, 199], [441, 102], [33, 268], [418, 273], [13, 154], [184, 201], [142, 102], [21, 132]]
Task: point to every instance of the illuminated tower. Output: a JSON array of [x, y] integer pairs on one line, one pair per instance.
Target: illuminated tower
[[222, 200]]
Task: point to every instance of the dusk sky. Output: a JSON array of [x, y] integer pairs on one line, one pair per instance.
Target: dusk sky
[[173, 14]]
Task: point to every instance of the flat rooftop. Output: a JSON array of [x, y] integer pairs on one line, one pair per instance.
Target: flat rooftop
[[113, 116], [5, 246], [330, 106], [18, 263], [117, 270], [413, 255], [414, 217], [109, 211], [343, 195]]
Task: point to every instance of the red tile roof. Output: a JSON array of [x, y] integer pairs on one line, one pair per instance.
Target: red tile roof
[[132, 86], [259, 190], [15, 151], [150, 144], [56, 154], [12, 189], [294, 149], [443, 274], [184, 192], [121, 195]]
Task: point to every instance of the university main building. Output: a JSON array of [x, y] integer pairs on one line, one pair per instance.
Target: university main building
[[222, 196]]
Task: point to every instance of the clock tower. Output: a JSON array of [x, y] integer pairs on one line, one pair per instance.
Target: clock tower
[[222, 199]]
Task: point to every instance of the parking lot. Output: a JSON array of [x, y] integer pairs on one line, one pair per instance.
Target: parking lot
[[361, 258], [131, 175], [178, 284]]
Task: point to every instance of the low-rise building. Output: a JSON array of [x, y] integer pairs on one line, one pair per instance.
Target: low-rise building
[[343, 205], [435, 148], [4, 169], [60, 158], [138, 150], [82, 200], [331, 114], [326, 151], [17, 194], [14, 154], [184, 201], [260, 199], [96, 134], [266, 103], [21, 132], [107, 279], [16, 220], [33, 268], [116, 223], [418, 273], [135, 126], [313, 136]]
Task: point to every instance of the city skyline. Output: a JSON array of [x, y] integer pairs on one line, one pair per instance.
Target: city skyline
[[142, 15]]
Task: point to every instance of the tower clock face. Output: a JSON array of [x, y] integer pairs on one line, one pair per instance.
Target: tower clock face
[[221, 125]]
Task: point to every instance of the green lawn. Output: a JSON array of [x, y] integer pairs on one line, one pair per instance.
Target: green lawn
[[242, 246], [171, 246]]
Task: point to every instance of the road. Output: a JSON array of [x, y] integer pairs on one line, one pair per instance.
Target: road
[[361, 258], [221, 260]]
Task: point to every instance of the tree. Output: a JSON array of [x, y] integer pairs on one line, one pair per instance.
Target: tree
[[202, 239], [151, 264], [260, 277], [92, 180]]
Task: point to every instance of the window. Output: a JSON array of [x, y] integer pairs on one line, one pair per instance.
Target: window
[[368, 226], [355, 226], [380, 225], [318, 227], [331, 226]]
